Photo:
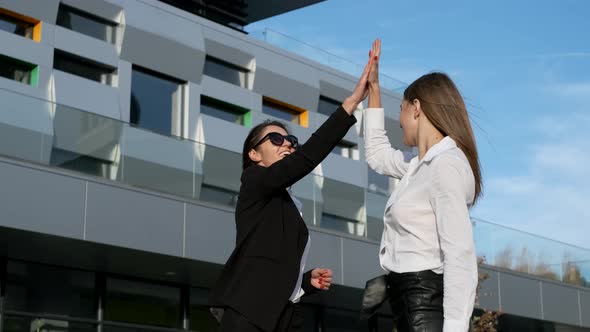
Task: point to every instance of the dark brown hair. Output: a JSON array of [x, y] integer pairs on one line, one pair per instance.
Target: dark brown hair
[[254, 137], [444, 107]]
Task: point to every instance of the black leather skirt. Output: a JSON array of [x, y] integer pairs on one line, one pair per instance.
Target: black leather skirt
[[416, 300]]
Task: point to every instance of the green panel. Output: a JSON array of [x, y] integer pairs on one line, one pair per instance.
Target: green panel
[[35, 76], [248, 119]]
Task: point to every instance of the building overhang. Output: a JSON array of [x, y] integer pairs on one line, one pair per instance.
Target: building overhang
[[261, 9]]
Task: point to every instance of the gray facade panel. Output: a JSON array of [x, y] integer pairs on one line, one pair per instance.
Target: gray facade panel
[[86, 47], [560, 304], [520, 296], [134, 220], [45, 10], [210, 234], [86, 95], [163, 55], [360, 262], [286, 89], [325, 252], [25, 49], [41, 202], [585, 307]]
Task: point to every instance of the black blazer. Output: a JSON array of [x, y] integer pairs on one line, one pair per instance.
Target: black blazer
[[261, 273]]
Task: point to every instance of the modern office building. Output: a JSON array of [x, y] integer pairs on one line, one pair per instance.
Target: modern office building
[[121, 128]]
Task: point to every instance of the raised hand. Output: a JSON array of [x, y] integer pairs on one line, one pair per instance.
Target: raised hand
[[361, 90], [373, 78]]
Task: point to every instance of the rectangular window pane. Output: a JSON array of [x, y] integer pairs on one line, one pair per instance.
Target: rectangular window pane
[[222, 110], [347, 150], [142, 303], [280, 111], [218, 195], [345, 225], [226, 72], [33, 324], [16, 70], [16, 26], [37, 288], [85, 23], [327, 105], [78, 66], [155, 99]]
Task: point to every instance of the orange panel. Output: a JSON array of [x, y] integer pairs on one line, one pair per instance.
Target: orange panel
[[304, 119], [37, 32]]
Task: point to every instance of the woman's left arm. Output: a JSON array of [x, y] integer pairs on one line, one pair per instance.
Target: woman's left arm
[[452, 190]]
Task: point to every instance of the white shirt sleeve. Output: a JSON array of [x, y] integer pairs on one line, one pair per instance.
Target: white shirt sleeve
[[452, 191], [380, 155]]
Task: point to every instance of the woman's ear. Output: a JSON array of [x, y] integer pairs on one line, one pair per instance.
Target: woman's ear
[[254, 156], [417, 109]]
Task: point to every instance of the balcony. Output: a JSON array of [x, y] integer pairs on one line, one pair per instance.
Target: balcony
[[45, 133]]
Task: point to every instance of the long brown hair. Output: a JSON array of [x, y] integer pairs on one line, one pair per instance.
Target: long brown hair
[[444, 107]]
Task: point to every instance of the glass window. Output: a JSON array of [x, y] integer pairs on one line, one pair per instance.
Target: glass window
[[14, 25], [225, 111], [156, 100], [78, 66], [347, 150], [378, 183], [341, 224], [142, 303], [37, 288], [327, 105], [87, 24], [226, 71], [200, 319], [218, 195], [38, 324], [17, 70], [280, 111]]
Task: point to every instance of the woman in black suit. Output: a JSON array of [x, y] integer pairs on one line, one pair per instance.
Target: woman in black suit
[[263, 280]]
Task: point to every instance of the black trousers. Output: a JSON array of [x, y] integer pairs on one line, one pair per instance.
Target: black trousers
[[291, 320], [416, 300]]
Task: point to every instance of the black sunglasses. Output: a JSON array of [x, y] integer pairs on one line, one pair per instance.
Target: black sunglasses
[[278, 140]]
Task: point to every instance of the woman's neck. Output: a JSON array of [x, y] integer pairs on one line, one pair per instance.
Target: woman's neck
[[427, 138]]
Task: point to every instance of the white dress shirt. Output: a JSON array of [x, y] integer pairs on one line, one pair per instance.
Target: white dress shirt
[[298, 291], [426, 220]]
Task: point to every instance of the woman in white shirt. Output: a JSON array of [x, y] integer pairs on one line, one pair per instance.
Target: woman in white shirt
[[427, 244]]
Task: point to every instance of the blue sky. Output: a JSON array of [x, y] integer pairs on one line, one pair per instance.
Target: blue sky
[[523, 66]]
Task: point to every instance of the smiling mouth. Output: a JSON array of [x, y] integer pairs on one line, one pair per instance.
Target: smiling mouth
[[285, 153]]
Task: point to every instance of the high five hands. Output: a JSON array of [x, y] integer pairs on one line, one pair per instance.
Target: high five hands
[[369, 77]]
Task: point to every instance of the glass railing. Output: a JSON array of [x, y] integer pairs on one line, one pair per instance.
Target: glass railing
[[520, 251], [50, 134], [324, 57]]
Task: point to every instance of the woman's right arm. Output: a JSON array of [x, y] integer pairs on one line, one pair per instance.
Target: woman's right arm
[[285, 172], [380, 155]]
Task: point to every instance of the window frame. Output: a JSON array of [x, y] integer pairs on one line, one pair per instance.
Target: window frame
[[107, 78], [35, 24], [300, 115], [111, 36], [179, 103]]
